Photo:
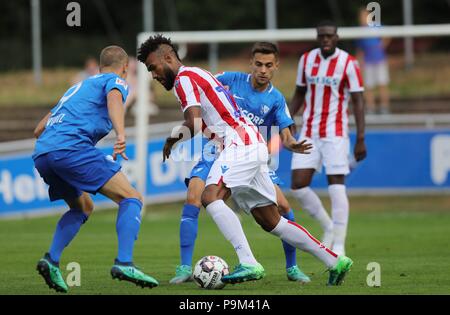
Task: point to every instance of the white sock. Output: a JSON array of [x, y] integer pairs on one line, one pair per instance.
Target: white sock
[[230, 226], [309, 201], [339, 213], [299, 237]]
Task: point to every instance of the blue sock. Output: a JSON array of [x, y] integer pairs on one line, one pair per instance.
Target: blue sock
[[188, 233], [127, 228], [289, 250], [66, 229]]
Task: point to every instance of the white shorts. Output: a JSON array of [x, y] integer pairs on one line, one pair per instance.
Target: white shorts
[[244, 170], [333, 153], [376, 74]]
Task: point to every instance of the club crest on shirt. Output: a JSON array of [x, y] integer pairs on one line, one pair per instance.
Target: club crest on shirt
[[224, 168], [264, 109], [119, 81]]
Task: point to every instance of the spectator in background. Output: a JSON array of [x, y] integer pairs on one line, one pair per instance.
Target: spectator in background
[[372, 58], [90, 68], [132, 82]]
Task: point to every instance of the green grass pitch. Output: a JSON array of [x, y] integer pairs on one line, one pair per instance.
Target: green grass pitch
[[408, 236]]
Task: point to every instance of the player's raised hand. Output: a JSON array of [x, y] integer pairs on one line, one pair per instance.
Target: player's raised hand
[[119, 148], [300, 147]]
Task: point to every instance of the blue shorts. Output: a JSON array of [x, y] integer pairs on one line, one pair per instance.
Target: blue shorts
[[275, 179], [69, 173], [200, 170]]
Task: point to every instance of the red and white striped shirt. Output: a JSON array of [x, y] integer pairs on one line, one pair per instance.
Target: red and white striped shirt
[[329, 82], [197, 87]]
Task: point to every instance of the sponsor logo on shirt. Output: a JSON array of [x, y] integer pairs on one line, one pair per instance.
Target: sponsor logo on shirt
[[121, 82], [254, 118], [328, 81]]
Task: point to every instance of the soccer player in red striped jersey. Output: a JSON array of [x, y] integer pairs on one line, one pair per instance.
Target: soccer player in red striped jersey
[[327, 78], [241, 168]]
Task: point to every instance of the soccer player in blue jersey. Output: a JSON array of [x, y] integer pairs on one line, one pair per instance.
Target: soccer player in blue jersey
[[66, 158], [260, 101]]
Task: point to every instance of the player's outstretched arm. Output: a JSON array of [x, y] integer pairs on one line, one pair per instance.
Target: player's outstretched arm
[[291, 144], [116, 111], [360, 150], [41, 126], [191, 126]]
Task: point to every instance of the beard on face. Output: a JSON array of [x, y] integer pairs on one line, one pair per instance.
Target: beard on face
[[169, 78]]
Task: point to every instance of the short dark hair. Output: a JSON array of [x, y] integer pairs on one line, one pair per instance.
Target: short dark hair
[[327, 23], [152, 44], [265, 48], [113, 56]]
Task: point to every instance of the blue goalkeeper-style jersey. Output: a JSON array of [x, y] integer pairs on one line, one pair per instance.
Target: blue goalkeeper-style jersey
[[81, 118], [267, 108]]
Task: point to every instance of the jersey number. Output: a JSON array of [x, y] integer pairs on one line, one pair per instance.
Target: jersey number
[[70, 92]]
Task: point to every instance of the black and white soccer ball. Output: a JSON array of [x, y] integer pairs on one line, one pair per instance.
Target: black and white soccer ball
[[208, 272]]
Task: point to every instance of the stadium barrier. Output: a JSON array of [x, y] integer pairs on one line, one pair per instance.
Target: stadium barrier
[[400, 161]]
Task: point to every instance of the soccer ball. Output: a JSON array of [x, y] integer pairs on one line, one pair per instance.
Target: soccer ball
[[208, 272]]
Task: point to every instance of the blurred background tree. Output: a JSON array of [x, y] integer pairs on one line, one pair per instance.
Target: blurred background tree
[[115, 21]]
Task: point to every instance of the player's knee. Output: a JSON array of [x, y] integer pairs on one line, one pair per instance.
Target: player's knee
[[283, 208], [299, 183], [336, 179], [207, 198], [266, 225], [88, 207], [134, 194], [138, 196], [194, 199]]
